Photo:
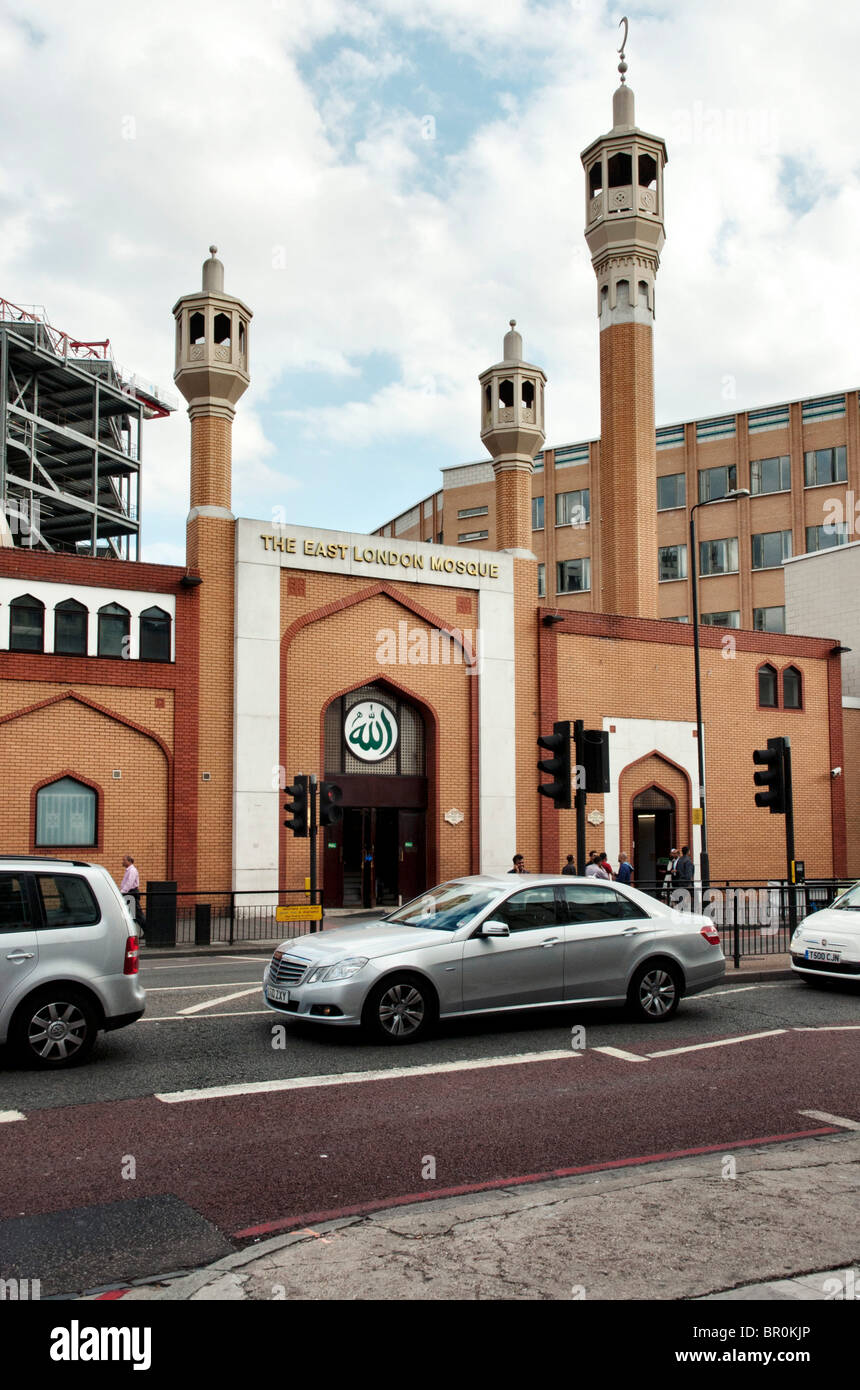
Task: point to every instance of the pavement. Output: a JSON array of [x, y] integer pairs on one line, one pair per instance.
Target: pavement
[[771, 1222]]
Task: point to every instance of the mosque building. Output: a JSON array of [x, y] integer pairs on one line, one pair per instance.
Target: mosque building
[[164, 708]]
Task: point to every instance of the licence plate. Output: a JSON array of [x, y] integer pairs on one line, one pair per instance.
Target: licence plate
[[279, 996], [832, 956]]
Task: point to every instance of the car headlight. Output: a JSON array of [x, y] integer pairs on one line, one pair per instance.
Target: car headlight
[[342, 970]]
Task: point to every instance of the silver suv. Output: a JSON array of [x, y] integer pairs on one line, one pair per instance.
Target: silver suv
[[68, 959]]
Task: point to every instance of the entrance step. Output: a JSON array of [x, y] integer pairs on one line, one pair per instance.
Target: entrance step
[[352, 890]]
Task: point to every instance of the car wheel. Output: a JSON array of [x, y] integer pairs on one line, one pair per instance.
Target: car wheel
[[655, 992], [400, 1010], [55, 1028]]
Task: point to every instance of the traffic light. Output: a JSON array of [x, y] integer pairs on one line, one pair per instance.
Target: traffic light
[[297, 809], [772, 759], [558, 742], [593, 753], [331, 795]]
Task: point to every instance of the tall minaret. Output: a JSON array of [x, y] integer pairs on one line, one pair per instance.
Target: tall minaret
[[624, 231], [212, 373], [512, 430]]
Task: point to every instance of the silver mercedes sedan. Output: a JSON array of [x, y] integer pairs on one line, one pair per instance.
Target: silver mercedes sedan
[[491, 943]]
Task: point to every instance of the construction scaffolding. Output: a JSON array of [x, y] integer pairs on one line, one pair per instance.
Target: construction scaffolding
[[70, 440]]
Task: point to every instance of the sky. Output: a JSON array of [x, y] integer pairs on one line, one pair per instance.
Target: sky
[[389, 182]]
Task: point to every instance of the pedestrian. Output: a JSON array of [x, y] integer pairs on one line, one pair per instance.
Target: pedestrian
[[570, 866], [519, 865], [685, 870], [595, 868], [603, 861], [669, 877], [625, 869], [130, 887]]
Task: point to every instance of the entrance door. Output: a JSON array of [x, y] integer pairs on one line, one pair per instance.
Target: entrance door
[[653, 836], [375, 856], [412, 876]]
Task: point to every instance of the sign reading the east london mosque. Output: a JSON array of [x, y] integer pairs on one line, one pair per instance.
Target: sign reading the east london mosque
[[370, 731], [373, 555]]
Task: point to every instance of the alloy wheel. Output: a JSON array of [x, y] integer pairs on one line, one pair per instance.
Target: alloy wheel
[[657, 991], [401, 1010], [57, 1031]]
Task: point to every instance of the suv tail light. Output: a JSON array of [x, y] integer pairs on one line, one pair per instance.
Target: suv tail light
[[132, 952], [711, 934]]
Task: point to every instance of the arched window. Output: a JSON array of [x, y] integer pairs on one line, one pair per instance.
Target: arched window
[[221, 329], [620, 170], [767, 695], [792, 688], [528, 395], [70, 628], [196, 328], [506, 394], [66, 813], [26, 624], [113, 630], [154, 635]]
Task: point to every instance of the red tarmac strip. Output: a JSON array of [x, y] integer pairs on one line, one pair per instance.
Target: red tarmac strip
[[314, 1218]]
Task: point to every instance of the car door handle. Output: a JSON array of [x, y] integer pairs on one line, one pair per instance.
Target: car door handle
[[551, 941], [18, 956]]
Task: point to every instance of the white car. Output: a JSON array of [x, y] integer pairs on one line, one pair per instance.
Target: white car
[[68, 959], [826, 944]]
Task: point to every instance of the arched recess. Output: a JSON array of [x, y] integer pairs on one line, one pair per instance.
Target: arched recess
[[28, 791], [654, 771], [430, 721], [433, 729]]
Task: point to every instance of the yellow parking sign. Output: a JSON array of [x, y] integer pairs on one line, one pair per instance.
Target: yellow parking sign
[[300, 912]]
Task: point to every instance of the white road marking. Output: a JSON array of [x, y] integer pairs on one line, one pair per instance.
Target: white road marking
[[351, 1078], [827, 1028], [721, 1042], [183, 989], [737, 989], [225, 999], [7, 1116], [203, 962], [201, 1018], [619, 1052], [830, 1119]]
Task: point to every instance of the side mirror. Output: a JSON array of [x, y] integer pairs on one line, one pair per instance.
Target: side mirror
[[492, 928]]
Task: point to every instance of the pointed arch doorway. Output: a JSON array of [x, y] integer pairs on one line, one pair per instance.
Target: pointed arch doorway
[[377, 854], [654, 834]]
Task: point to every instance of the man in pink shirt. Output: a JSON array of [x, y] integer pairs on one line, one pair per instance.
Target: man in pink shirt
[[130, 887]]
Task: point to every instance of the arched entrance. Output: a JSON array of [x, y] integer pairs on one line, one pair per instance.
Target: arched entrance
[[654, 834], [375, 749]]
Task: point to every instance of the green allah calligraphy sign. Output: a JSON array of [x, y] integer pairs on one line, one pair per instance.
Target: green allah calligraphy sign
[[370, 730]]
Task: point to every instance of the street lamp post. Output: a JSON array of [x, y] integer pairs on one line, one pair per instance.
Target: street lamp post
[[729, 496]]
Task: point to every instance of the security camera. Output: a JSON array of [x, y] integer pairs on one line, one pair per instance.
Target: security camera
[[836, 772]]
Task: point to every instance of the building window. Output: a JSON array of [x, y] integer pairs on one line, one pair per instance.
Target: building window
[[730, 619], [716, 482], [825, 537], [154, 635], [472, 536], [70, 628], [541, 581], [683, 618], [196, 329], [26, 624], [718, 557], [824, 466], [66, 813], [770, 475], [113, 630], [792, 688], [769, 619], [573, 576], [767, 686], [573, 508], [471, 511], [221, 330], [770, 548], [671, 491], [537, 513], [673, 562]]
